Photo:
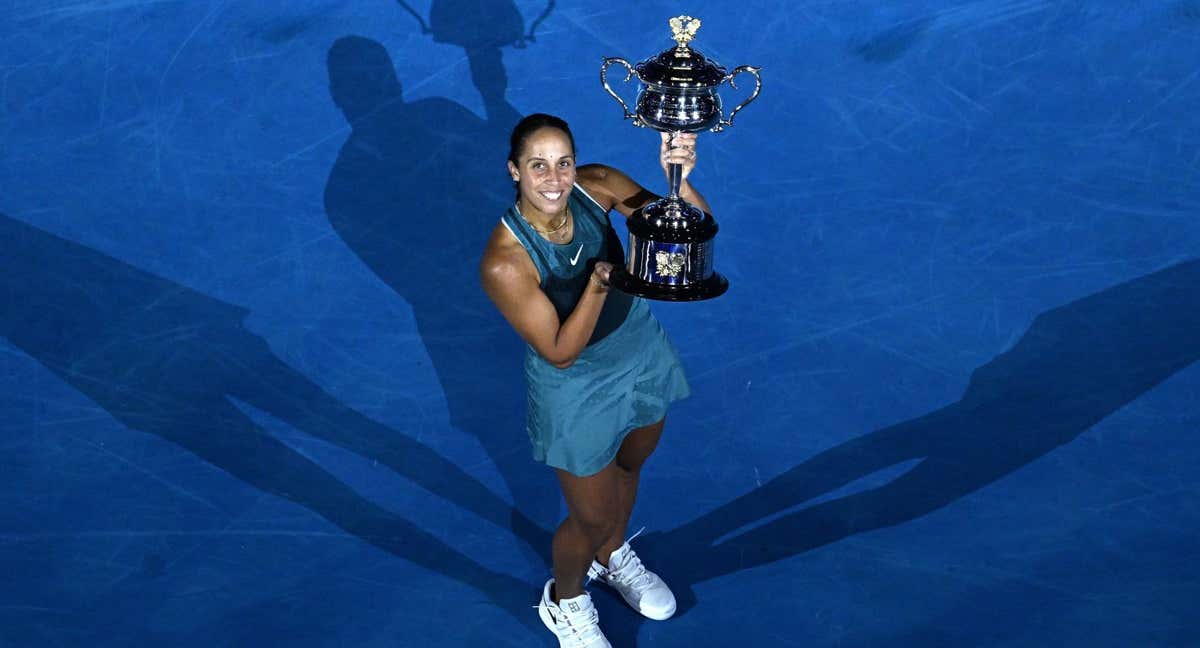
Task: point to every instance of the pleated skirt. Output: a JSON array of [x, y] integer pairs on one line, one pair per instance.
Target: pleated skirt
[[578, 416]]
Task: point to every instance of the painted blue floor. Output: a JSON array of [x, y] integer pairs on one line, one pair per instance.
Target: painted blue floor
[[251, 394]]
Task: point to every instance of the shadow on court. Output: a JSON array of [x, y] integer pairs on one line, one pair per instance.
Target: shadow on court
[[1076, 365], [169, 361], [415, 192]]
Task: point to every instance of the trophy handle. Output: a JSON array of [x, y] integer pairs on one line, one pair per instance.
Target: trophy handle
[[757, 88], [612, 60]]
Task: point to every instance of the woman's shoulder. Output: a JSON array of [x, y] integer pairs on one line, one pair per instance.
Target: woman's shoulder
[[602, 182], [595, 176], [504, 256], [612, 188]]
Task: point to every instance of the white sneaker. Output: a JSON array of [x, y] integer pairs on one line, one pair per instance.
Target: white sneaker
[[574, 621], [641, 588]]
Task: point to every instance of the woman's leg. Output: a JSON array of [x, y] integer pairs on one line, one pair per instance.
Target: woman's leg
[[598, 511], [636, 448], [593, 510]]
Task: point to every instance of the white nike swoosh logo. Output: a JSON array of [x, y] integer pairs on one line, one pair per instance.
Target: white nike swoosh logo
[[576, 259]]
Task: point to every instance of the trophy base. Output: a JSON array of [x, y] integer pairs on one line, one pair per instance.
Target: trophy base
[[714, 286]]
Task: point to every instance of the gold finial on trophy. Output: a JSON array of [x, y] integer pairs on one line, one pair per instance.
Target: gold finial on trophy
[[684, 29]]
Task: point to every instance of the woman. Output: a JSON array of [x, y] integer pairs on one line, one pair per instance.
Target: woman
[[600, 370]]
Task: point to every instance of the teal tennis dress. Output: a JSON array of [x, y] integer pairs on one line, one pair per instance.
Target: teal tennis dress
[[626, 376]]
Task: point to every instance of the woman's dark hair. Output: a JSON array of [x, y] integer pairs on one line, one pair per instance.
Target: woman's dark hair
[[527, 126]]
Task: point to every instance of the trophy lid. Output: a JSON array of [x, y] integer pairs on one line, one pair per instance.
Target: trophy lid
[[681, 66]]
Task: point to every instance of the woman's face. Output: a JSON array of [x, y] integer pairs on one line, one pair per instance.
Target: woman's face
[[545, 171]]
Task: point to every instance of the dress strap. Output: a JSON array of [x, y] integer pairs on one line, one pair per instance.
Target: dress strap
[[529, 239]]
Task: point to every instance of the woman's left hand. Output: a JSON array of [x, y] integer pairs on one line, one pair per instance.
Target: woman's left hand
[[682, 152]]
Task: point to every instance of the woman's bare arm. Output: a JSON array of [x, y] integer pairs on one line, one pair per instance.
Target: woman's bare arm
[[510, 280], [615, 190]]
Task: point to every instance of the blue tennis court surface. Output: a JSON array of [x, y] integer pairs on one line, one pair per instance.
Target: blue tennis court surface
[[251, 393]]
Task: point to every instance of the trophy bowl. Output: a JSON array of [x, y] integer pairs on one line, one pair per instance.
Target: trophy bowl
[[670, 253]]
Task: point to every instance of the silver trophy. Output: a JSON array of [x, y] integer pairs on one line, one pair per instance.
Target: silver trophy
[[670, 253]]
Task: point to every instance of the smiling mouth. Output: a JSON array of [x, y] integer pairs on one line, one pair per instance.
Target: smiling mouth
[[551, 195]]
